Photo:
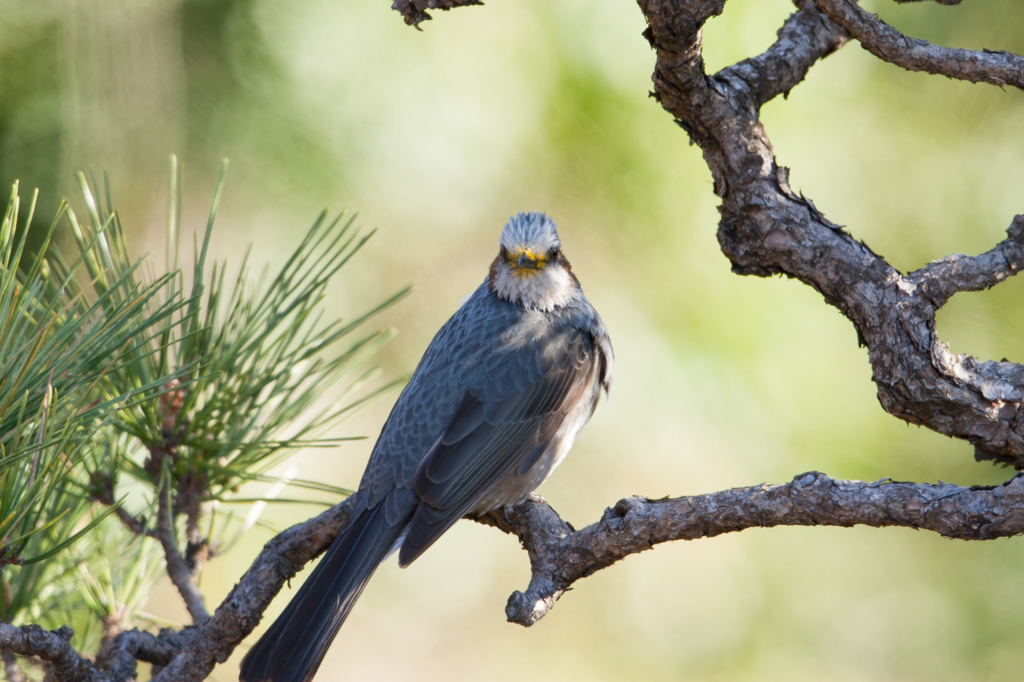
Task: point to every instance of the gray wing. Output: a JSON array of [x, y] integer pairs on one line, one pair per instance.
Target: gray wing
[[503, 424]]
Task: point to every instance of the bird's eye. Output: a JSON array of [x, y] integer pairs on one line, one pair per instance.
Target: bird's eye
[[554, 254]]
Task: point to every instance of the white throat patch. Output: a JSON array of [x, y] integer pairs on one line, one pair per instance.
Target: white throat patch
[[544, 289]]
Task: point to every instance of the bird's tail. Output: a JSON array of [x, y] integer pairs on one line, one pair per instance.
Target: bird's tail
[[292, 649]]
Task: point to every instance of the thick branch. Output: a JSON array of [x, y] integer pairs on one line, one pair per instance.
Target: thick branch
[[806, 37], [126, 649], [886, 43], [53, 647], [766, 229], [559, 555]]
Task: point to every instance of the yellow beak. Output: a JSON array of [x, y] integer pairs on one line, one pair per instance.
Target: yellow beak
[[526, 260]]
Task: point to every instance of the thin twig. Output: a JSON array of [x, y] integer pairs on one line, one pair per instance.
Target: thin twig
[[135, 524], [177, 568]]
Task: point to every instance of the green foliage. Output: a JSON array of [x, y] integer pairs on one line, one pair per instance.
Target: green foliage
[[56, 349], [170, 391], [247, 357], [100, 583]]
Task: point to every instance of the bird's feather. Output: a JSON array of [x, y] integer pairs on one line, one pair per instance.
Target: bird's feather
[[500, 429]]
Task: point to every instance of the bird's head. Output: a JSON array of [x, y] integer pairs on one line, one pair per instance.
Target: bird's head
[[530, 269]]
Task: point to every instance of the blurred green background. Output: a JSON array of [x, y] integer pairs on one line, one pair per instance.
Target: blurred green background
[[721, 381]]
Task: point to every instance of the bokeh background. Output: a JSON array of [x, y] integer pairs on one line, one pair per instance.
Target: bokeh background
[[435, 137]]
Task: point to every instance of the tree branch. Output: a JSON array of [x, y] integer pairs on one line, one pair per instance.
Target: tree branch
[[806, 37], [101, 489], [127, 648], [132, 523], [768, 229], [560, 555], [888, 44], [132, 646], [943, 278], [192, 653], [53, 647], [177, 568], [415, 11]]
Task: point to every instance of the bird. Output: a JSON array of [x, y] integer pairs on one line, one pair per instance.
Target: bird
[[494, 405]]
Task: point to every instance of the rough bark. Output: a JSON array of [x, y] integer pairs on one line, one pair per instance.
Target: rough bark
[[130, 647], [885, 42], [560, 555], [191, 654], [768, 229], [53, 647]]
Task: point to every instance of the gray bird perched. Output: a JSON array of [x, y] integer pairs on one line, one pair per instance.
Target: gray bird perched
[[493, 407]]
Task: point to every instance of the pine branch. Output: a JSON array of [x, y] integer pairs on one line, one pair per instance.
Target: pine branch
[[560, 555], [177, 567], [132, 646], [54, 647], [767, 229], [66, 665], [134, 524], [885, 42]]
